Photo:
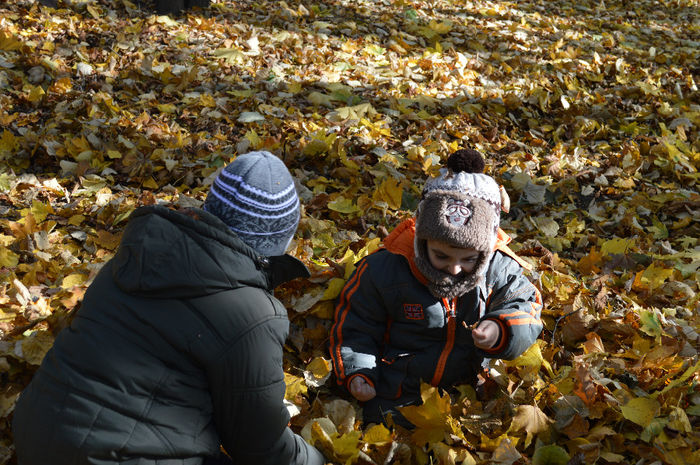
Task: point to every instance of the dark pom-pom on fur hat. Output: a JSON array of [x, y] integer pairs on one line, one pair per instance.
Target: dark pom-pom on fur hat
[[466, 161]]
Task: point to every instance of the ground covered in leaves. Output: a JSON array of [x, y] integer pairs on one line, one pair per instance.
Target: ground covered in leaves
[[587, 111]]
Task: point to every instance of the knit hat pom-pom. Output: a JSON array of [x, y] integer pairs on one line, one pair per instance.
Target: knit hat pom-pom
[[467, 161]]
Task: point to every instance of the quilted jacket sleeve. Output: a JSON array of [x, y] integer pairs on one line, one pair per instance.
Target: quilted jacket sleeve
[[247, 386], [515, 304], [360, 324]]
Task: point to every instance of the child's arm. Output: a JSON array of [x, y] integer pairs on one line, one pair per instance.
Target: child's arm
[[514, 304], [356, 335]]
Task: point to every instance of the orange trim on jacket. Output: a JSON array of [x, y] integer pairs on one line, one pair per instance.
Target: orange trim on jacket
[[341, 312], [400, 242], [451, 312], [502, 241]]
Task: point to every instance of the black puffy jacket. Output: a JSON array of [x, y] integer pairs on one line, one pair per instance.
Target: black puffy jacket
[[176, 350]]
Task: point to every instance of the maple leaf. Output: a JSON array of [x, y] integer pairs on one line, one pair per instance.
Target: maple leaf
[[432, 418], [377, 434], [530, 419], [530, 362]]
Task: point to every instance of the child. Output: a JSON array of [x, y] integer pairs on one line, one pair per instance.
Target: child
[[444, 293]]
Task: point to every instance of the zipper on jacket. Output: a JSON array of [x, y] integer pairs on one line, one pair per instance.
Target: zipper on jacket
[[451, 313]]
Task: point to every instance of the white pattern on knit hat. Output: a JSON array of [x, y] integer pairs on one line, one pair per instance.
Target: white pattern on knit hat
[[256, 198], [261, 233], [254, 189], [472, 184], [264, 210]]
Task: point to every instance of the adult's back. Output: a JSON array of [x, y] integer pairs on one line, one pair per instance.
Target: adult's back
[[176, 350]]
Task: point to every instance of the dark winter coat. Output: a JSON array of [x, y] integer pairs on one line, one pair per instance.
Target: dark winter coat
[[392, 331], [176, 350]]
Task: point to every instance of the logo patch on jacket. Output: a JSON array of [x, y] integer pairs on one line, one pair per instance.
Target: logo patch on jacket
[[413, 311]]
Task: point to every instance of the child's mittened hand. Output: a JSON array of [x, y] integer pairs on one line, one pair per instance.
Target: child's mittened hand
[[486, 334], [361, 389]]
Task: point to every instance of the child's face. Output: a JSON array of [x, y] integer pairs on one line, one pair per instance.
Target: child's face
[[450, 259]]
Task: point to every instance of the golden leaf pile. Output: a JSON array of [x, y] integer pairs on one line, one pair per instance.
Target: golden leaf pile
[[587, 111]]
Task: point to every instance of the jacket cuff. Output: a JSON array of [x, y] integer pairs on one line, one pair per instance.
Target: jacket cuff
[[502, 341]]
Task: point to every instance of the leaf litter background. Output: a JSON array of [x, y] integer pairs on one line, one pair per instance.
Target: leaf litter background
[[587, 111]]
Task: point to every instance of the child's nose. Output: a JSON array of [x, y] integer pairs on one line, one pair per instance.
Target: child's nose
[[454, 269]]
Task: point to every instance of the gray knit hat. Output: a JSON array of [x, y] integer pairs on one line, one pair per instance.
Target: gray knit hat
[[255, 196], [462, 208]]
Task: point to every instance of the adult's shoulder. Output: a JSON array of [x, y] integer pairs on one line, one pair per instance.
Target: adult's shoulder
[[233, 313]]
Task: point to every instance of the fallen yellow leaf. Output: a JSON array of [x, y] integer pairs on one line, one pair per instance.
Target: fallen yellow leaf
[[641, 410]]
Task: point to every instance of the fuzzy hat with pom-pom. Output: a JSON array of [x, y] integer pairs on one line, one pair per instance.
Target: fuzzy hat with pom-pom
[[461, 207]]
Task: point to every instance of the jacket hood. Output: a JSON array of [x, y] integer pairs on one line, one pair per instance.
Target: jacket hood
[[184, 254], [401, 241]]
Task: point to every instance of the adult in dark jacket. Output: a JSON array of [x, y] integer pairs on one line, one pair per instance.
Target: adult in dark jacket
[[177, 347]]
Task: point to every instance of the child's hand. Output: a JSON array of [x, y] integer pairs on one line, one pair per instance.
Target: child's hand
[[486, 334], [361, 389]]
